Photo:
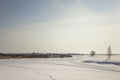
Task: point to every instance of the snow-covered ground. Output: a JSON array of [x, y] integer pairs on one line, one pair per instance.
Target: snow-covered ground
[[76, 68]]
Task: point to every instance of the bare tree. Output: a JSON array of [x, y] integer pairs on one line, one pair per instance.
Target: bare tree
[[109, 52]]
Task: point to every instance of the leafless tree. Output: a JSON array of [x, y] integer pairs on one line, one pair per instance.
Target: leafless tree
[[109, 52]]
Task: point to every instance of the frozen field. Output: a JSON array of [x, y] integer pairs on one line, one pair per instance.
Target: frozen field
[[76, 68]]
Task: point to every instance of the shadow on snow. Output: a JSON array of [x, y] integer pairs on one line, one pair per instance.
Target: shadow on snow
[[102, 62]]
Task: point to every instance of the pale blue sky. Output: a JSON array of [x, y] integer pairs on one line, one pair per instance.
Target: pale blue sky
[[77, 26]]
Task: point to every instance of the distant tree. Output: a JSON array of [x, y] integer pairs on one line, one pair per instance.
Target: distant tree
[[109, 52], [92, 53]]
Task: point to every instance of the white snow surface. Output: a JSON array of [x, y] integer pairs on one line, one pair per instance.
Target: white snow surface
[[75, 68]]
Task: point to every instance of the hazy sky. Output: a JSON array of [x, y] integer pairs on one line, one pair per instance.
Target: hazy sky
[[59, 25]]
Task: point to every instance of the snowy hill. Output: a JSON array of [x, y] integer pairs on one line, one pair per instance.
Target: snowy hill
[[75, 68]]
